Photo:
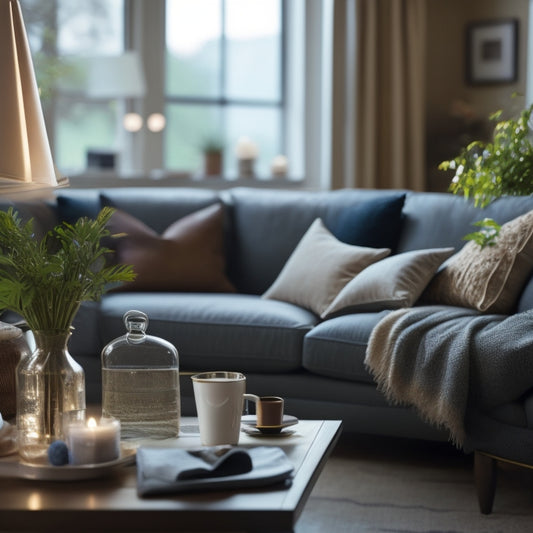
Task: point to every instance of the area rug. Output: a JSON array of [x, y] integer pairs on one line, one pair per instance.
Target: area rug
[[377, 484]]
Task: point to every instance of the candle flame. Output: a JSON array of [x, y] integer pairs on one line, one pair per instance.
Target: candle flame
[[91, 423]]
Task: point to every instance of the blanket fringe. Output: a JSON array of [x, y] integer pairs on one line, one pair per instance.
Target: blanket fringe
[[393, 359]]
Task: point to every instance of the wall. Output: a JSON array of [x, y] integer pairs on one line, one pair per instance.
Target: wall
[[446, 84]]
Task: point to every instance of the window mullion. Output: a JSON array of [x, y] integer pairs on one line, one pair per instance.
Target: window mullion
[[223, 51], [223, 66], [283, 76]]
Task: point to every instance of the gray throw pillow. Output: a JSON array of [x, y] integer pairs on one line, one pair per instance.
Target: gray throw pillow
[[392, 283], [319, 267]]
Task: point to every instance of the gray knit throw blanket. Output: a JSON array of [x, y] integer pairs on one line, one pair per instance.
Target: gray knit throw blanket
[[441, 359]]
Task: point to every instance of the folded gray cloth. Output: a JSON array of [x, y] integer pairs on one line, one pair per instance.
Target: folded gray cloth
[[164, 470]]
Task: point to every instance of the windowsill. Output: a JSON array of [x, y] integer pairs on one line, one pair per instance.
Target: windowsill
[[106, 179]]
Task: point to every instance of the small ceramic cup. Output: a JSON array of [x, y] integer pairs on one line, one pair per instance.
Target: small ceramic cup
[[269, 409]]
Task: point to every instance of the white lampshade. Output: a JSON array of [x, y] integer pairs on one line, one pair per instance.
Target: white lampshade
[[118, 76], [25, 156]]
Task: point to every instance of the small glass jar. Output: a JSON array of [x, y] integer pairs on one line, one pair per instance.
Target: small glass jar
[[140, 382], [13, 347]]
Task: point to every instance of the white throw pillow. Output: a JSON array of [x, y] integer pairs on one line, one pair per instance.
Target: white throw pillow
[[395, 282], [319, 267]]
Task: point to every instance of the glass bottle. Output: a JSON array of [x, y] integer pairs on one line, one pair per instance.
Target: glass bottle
[[140, 382], [50, 384]]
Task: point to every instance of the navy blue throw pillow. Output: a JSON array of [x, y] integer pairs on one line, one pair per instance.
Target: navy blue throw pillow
[[70, 208], [375, 223]]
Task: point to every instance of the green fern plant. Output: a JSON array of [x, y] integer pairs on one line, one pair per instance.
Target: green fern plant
[[485, 171], [45, 281], [487, 235]]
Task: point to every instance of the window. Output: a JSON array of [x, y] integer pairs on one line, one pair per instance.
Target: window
[[61, 33], [217, 70], [224, 80]]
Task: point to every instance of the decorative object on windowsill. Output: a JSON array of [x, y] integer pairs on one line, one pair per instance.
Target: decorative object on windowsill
[[213, 150], [101, 160], [45, 282], [246, 152], [503, 166], [279, 166], [13, 347], [25, 158]]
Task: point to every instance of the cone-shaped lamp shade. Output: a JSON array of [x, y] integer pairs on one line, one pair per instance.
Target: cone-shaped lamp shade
[[25, 156]]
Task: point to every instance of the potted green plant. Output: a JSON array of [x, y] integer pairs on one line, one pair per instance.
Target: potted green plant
[[44, 281], [502, 166], [213, 150]]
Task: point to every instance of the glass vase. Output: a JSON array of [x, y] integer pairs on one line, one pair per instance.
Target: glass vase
[[50, 386]]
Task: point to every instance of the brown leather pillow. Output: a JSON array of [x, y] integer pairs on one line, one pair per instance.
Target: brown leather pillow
[[187, 257]]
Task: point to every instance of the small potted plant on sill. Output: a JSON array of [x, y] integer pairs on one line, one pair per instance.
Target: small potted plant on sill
[[503, 166], [213, 150], [45, 281]]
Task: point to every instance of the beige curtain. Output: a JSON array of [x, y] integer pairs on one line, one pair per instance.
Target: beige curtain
[[388, 141]]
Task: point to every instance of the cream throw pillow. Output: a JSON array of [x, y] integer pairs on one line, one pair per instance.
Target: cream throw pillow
[[319, 267], [488, 279], [394, 282]]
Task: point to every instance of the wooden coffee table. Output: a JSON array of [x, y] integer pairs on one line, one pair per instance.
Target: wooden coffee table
[[111, 503]]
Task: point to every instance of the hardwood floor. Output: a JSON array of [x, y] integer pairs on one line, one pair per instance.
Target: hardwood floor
[[379, 484]]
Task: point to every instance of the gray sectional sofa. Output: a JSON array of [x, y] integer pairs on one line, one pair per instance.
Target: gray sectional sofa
[[284, 349]]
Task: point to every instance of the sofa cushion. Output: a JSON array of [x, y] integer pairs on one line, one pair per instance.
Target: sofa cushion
[[218, 331], [188, 256], [43, 214], [337, 347], [394, 282], [70, 208], [319, 268], [376, 223], [268, 224], [488, 279], [158, 207], [442, 220]]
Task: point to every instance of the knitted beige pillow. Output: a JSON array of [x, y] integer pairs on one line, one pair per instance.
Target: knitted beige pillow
[[488, 279], [319, 267]]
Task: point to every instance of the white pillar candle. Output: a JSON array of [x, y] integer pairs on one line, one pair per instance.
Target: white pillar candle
[[279, 166], [94, 442], [246, 149]]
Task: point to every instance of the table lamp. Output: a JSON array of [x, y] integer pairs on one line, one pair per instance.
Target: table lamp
[[25, 157]]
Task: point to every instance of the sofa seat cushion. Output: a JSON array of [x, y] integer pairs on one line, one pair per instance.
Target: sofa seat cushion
[[337, 347], [218, 331]]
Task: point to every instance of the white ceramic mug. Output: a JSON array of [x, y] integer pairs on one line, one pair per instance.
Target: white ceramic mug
[[219, 403]]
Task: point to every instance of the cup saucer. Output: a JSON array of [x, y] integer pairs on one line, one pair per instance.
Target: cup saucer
[[254, 432], [251, 421]]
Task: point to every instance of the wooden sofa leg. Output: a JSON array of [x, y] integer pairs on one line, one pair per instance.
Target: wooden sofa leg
[[485, 479]]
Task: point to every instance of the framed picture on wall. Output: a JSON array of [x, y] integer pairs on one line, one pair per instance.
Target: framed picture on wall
[[492, 51]]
